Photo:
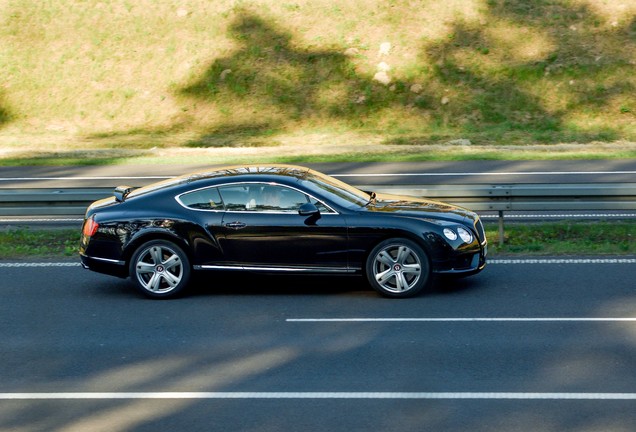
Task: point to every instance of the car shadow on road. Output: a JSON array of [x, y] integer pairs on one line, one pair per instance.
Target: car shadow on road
[[235, 283], [248, 284]]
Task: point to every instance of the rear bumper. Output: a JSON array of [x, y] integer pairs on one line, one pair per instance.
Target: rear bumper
[[104, 265]]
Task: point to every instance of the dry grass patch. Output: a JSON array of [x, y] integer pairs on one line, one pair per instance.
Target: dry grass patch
[[144, 74]]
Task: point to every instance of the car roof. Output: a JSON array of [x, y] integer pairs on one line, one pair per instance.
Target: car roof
[[242, 172]]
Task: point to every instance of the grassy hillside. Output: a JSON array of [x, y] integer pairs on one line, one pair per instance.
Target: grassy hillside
[[269, 78]]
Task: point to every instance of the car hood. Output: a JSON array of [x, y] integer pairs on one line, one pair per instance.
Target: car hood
[[421, 208]]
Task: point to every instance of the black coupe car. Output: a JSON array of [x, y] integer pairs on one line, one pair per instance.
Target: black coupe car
[[282, 218]]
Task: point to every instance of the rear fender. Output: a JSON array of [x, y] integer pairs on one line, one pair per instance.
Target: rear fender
[[145, 235]]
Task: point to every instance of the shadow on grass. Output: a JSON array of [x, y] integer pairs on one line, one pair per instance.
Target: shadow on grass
[[5, 115], [269, 84], [277, 85], [482, 82]]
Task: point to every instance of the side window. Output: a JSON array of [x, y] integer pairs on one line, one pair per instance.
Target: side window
[[275, 199], [235, 197], [249, 197], [278, 198], [203, 199]]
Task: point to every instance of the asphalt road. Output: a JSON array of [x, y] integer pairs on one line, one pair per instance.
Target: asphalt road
[[526, 345]]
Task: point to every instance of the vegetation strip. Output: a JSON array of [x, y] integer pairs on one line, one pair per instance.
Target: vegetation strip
[[575, 238]]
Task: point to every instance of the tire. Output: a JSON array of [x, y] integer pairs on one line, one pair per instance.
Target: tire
[[160, 269], [398, 268]]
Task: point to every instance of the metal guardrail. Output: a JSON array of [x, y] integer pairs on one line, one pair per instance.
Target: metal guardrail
[[478, 197], [528, 197], [49, 201]]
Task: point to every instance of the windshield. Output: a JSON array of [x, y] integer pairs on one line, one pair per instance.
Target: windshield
[[339, 192]]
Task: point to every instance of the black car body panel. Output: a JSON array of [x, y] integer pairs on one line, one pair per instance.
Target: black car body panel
[[211, 217]]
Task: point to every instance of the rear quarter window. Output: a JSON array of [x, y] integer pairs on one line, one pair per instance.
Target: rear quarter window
[[202, 199]]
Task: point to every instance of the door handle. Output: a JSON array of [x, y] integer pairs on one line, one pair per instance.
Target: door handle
[[235, 225]]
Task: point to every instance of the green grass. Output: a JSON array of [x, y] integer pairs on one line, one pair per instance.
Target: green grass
[[241, 79], [565, 238], [548, 238], [30, 243]]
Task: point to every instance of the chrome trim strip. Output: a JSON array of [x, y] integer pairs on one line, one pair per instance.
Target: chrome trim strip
[[278, 269], [112, 261]]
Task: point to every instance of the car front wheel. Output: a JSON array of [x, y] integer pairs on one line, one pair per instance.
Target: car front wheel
[[160, 269], [398, 268]]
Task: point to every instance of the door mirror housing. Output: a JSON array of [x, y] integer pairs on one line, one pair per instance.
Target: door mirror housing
[[308, 209]]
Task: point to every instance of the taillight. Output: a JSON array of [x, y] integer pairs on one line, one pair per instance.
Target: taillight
[[90, 227]]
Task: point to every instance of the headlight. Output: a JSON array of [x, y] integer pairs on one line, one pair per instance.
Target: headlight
[[450, 234], [465, 235]]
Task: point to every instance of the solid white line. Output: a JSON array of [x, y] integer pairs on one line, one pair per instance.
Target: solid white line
[[564, 261], [317, 395], [492, 261], [442, 174], [488, 216], [85, 178], [39, 264], [318, 320], [18, 220], [560, 216]]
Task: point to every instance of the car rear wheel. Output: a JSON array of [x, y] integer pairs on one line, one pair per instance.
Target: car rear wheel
[[160, 269], [398, 268]]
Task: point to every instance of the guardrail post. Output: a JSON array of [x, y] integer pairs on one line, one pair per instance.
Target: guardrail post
[[501, 227]]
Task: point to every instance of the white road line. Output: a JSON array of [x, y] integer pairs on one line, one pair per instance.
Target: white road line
[[524, 173], [487, 216], [317, 395], [22, 220], [85, 178], [492, 261], [547, 319], [561, 216], [564, 261], [39, 264]]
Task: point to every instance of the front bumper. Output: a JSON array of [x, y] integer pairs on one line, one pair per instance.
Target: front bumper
[[464, 264]]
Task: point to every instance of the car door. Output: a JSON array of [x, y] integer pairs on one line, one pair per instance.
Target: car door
[[261, 228]]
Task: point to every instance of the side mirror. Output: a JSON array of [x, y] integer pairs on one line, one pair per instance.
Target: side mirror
[[308, 209]]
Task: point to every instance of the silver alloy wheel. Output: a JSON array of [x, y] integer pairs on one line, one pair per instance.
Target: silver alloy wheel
[[397, 268], [159, 268]]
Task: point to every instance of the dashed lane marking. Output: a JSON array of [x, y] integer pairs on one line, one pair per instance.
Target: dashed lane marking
[[494, 319], [317, 395], [493, 261], [40, 264]]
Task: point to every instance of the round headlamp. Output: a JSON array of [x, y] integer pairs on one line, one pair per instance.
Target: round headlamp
[[465, 235], [450, 234]]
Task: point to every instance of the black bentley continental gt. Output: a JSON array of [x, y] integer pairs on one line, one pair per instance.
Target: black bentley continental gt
[[276, 219]]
